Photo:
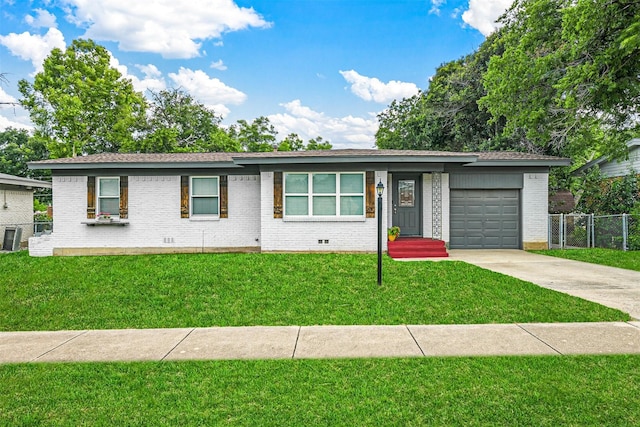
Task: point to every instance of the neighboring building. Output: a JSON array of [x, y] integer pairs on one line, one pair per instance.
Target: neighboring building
[[16, 204], [310, 201], [561, 202], [615, 168]]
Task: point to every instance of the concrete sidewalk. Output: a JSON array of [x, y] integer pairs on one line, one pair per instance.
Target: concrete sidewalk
[[311, 342], [609, 286]]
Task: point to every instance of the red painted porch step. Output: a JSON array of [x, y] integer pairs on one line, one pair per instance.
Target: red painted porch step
[[417, 247]]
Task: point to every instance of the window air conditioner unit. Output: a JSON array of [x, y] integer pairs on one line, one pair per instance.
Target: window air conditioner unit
[[12, 237]]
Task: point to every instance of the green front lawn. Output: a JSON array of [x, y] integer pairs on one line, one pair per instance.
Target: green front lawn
[[507, 391], [629, 260], [198, 290]]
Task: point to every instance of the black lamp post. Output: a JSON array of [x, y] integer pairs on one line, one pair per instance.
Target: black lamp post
[[380, 190]]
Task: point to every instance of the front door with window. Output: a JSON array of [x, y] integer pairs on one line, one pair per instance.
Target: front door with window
[[406, 204]]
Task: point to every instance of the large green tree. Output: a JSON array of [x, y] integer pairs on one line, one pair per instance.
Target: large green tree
[[568, 78], [80, 104], [178, 123]]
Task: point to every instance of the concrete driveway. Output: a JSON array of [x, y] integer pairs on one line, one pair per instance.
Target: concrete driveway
[[609, 286]]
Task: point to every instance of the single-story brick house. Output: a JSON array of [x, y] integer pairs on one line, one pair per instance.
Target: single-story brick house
[[16, 204], [311, 201]]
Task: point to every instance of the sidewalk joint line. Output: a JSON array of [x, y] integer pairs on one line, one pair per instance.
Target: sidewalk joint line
[[628, 322], [415, 340], [179, 342], [539, 339], [59, 345], [295, 346]]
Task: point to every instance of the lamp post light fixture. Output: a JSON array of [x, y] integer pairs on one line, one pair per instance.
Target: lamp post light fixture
[[380, 190]]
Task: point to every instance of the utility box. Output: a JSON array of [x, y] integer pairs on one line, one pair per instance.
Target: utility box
[[12, 237]]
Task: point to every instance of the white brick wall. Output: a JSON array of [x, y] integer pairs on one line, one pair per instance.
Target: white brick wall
[[281, 235], [154, 216], [535, 210]]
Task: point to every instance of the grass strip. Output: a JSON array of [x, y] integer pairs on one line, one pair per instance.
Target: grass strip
[[544, 391], [200, 290], [629, 260]]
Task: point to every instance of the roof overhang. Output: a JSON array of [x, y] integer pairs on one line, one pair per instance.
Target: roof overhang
[[134, 165], [289, 160], [522, 163], [23, 182]]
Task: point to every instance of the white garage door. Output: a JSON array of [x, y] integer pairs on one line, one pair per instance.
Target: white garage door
[[485, 219]]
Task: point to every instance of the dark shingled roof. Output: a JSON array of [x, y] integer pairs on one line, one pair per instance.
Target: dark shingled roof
[[236, 159], [143, 158]]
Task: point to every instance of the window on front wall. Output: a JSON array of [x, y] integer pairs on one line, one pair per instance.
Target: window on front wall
[[109, 196], [324, 194], [205, 196]]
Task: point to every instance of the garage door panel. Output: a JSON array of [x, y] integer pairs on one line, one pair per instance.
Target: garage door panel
[[510, 210], [485, 219], [475, 210], [510, 225]]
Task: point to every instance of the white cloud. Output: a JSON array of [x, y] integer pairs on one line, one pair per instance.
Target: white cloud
[[152, 79], [43, 19], [482, 14], [342, 132], [218, 65], [7, 122], [172, 28], [33, 47], [435, 6], [5, 97], [210, 91], [372, 89], [12, 115]]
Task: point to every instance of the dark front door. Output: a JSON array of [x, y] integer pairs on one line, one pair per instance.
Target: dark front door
[[407, 204]]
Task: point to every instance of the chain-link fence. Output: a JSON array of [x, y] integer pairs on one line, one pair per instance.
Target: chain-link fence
[[568, 231]]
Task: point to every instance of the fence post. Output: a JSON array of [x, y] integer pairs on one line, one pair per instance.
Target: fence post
[[592, 230], [625, 231], [561, 230]]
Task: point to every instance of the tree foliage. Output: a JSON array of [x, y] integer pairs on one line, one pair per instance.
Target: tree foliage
[[447, 116], [80, 104], [559, 77], [178, 123], [17, 148], [568, 77], [259, 135], [608, 196], [318, 143]]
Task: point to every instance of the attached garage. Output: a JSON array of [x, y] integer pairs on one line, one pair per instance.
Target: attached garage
[[485, 219], [485, 211]]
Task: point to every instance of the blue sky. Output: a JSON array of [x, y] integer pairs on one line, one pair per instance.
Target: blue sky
[[313, 67]]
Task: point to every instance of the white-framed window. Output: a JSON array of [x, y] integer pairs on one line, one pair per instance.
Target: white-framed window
[[324, 194], [108, 192], [205, 196]]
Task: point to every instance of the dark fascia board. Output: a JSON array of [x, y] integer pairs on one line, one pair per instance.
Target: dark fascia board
[[24, 182], [522, 163], [134, 165], [355, 159]]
